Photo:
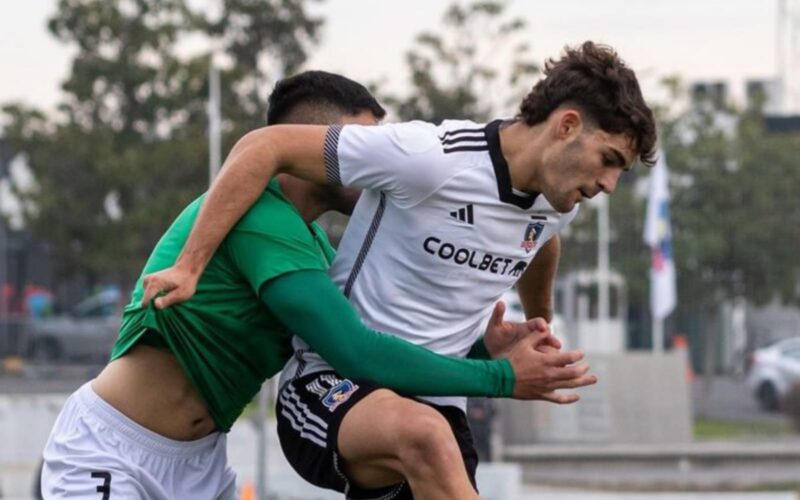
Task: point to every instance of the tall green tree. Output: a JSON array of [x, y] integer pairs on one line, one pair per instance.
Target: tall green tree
[[129, 145], [263, 40], [734, 218], [737, 218], [475, 65]]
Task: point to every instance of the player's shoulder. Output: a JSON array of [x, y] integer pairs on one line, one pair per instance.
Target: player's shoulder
[[422, 137], [461, 126], [462, 136], [272, 214]]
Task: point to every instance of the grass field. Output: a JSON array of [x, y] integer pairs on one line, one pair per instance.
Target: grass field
[[706, 428]]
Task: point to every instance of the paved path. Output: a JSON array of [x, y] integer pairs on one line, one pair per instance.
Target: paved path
[[25, 421]]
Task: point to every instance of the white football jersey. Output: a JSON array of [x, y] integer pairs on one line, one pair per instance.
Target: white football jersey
[[437, 236]]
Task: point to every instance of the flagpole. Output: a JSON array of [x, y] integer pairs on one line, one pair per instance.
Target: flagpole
[[658, 236], [264, 400], [261, 444], [658, 335], [214, 119], [603, 271]]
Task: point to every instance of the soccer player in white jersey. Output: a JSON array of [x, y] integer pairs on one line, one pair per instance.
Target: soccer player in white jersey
[[450, 218]]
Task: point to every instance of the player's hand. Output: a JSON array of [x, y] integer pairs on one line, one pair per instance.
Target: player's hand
[[169, 286], [541, 372], [501, 336]]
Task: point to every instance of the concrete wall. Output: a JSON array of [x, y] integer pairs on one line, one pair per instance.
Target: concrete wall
[[772, 322], [639, 398]]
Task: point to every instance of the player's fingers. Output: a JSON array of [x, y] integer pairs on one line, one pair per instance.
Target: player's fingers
[[497, 314], [565, 358], [150, 289], [534, 339], [538, 324], [574, 382], [551, 341], [173, 296], [569, 372], [559, 398]]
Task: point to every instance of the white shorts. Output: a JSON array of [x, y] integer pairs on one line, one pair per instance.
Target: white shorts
[[96, 452]]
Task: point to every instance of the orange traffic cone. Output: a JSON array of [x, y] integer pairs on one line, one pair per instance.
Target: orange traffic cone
[[248, 491], [680, 343]]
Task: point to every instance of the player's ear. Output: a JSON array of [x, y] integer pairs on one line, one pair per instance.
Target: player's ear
[[568, 123]]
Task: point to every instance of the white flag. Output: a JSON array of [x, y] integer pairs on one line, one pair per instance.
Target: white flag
[[658, 236]]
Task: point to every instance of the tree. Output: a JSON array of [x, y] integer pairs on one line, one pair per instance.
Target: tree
[[735, 211], [258, 36], [460, 70], [734, 217], [129, 146]]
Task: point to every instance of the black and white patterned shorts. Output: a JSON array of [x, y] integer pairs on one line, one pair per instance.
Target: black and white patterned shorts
[[310, 410]]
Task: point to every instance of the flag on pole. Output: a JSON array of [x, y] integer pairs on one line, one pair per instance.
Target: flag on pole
[[658, 236]]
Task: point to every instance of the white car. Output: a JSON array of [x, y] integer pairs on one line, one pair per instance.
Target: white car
[[774, 371]]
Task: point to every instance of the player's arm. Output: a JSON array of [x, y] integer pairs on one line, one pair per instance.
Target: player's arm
[[328, 323], [396, 159], [253, 161], [535, 286]]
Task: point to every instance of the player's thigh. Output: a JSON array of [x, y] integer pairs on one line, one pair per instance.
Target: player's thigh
[[376, 433]]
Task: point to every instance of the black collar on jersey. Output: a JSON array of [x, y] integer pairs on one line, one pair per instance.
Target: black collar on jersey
[[504, 189]]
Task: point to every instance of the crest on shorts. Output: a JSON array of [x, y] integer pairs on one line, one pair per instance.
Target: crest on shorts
[[532, 233], [339, 394]]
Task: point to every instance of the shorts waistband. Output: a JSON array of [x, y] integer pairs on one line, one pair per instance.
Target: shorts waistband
[[137, 434]]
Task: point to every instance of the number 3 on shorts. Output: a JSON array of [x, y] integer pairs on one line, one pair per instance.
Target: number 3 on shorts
[[105, 488]]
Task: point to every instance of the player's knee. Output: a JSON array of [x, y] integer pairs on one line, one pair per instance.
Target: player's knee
[[426, 440]]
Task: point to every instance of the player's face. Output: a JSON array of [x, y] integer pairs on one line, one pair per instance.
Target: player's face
[[589, 163]]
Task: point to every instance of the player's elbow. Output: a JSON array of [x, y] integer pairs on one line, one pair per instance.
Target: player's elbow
[[257, 147], [251, 140]]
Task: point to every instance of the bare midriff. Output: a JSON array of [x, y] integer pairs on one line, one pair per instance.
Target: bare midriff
[[149, 386]]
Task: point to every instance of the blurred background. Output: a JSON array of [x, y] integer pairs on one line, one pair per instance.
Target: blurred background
[[683, 287]]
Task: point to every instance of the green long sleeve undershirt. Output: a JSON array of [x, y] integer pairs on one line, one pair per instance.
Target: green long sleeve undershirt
[[312, 307], [479, 350]]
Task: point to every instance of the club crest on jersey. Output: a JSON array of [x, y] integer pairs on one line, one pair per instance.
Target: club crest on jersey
[[339, 394], [532, 233]]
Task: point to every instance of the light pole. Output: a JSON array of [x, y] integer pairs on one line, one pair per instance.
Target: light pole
[[214, 120], [4, 319], [603, 271]]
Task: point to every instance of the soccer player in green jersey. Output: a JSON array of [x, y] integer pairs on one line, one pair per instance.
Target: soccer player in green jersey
[[153, 423]]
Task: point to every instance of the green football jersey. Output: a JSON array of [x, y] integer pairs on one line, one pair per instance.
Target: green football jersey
[[224, 337]]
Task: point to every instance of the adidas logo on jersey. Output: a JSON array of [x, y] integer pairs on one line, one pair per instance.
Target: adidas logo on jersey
[[464, 214]]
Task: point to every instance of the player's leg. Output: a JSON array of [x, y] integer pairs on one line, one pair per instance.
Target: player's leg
[[389, 442], [385, 438]]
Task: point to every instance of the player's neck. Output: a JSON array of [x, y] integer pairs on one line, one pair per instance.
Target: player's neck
[[521, 148], [304, 196]]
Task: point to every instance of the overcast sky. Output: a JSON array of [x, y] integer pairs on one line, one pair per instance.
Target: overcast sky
[[365, 39]]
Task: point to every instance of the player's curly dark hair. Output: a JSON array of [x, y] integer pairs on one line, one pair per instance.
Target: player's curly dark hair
[[323, 92], [594, 78]]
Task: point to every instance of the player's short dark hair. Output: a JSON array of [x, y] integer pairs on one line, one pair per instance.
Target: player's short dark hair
[[593, 78], [324, 93]]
